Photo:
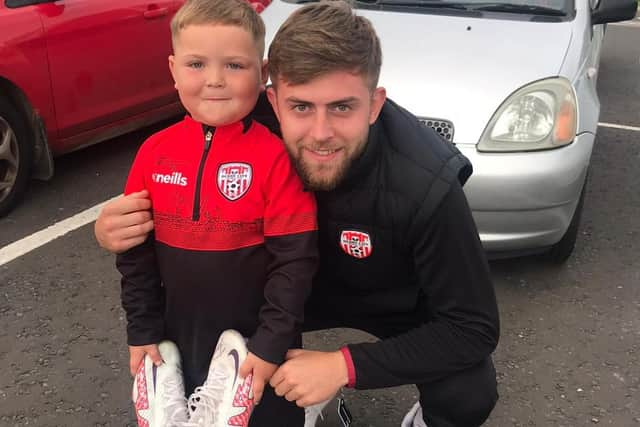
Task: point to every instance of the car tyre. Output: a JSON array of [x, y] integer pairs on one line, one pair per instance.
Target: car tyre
[[16, 153], [562, 250]]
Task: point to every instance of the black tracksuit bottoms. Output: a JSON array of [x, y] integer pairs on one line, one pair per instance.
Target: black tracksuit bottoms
[[464, 399]]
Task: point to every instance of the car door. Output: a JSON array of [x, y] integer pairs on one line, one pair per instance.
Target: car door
[[108, 60]]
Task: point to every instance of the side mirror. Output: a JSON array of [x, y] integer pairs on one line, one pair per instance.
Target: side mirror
[[613, 11]]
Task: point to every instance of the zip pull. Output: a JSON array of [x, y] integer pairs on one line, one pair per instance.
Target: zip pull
[[207, 139]]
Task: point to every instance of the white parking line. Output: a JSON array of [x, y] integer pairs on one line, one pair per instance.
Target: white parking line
[[44, 236], [616, 126]]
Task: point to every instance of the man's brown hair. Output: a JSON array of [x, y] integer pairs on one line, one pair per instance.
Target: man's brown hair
[[324, 37], [222, 12]]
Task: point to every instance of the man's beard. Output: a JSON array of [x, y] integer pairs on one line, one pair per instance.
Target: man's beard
[[316, 182]]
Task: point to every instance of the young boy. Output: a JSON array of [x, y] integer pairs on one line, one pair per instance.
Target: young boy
[[234, 245]]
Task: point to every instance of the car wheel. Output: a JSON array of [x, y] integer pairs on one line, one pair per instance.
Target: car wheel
[[16, 153], [562, 250]]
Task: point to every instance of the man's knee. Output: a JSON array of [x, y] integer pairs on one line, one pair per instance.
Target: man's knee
[[464, 399]]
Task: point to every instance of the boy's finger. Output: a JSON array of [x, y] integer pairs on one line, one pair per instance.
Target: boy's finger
[[154, 354], [258, 389], [134, 363], [245, 369]]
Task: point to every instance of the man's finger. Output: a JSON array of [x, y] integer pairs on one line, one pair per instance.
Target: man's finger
[[294, 352], [277, 377], [142, 194], [292, 395], [283, 388]]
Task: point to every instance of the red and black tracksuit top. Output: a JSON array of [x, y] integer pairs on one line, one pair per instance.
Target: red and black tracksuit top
[[234, 244]]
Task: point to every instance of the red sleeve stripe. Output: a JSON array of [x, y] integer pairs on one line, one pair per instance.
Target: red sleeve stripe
[[351, 370]]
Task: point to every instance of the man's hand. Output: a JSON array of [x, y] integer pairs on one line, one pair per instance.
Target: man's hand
[[124, 222], [262, 372], [310, 377], [137, 352]]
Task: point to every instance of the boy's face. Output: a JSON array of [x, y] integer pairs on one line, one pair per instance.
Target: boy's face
[[325, 123], [217, 71]]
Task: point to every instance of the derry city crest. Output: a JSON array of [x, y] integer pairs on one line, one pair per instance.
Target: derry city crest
[[234, 179], [356, 243]]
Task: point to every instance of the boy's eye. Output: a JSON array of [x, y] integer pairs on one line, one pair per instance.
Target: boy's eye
[[235, 66], [195, 65]]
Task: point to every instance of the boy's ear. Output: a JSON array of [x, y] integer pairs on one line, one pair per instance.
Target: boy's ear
[[171, 68], [271, 96], [378, 98], [265, 73]]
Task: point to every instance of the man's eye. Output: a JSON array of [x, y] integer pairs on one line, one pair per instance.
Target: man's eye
[[301, 108], [342, 108], [195, 65]]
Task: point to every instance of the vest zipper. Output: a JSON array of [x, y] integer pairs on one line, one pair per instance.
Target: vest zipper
[[208, 137]]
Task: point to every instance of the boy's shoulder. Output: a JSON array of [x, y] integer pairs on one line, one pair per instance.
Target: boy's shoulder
[[266, 140], [165, 135]]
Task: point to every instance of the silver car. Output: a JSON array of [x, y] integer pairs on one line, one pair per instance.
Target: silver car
[[513, 84]]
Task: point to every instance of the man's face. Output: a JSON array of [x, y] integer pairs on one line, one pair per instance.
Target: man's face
[[217, 71], [325, 124]]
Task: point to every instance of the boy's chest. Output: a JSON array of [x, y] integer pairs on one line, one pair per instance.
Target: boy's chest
[[207, 187]]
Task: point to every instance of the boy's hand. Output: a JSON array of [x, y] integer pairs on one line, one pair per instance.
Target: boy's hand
[[262, 372], [137, 352]]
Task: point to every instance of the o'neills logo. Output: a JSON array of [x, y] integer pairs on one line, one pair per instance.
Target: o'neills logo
[[175, 178], [356, 243]]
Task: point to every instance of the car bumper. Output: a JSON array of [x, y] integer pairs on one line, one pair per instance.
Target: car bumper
[[524, 202]]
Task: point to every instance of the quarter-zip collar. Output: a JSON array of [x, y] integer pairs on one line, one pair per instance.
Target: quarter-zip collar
[[208, 135]]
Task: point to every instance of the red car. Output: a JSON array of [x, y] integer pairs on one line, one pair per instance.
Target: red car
[[74, 73]]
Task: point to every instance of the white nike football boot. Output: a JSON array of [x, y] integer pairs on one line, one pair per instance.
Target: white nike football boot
[[158, 391], [224, 400], [413, 418], [313, 412]]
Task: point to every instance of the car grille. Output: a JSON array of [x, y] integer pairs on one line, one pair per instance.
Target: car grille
[[442, 127]]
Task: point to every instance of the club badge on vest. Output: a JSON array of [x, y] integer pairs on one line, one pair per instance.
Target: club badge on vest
[[356, 243], [234, 179]]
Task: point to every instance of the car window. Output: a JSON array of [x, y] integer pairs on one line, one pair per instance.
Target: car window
[[21, 3], [548, 8]]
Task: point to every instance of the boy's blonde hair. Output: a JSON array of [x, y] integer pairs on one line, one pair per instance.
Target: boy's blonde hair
[[222, 12], [323, 37]]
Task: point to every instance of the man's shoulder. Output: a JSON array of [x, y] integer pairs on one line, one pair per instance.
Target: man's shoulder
[[417, 150]]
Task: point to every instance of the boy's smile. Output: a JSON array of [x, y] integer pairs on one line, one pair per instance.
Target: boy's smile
[[217, 71]]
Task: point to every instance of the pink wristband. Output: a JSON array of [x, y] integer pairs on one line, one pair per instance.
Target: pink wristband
[[351, 370]]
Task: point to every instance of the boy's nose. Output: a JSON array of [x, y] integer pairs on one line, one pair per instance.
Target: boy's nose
[[215, 78]]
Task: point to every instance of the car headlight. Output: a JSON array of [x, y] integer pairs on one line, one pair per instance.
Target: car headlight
[[539, 116]]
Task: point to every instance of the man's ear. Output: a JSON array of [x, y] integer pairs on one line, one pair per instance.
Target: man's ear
[[273, 100], [377, 101], [172, 64], [265, 73]]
